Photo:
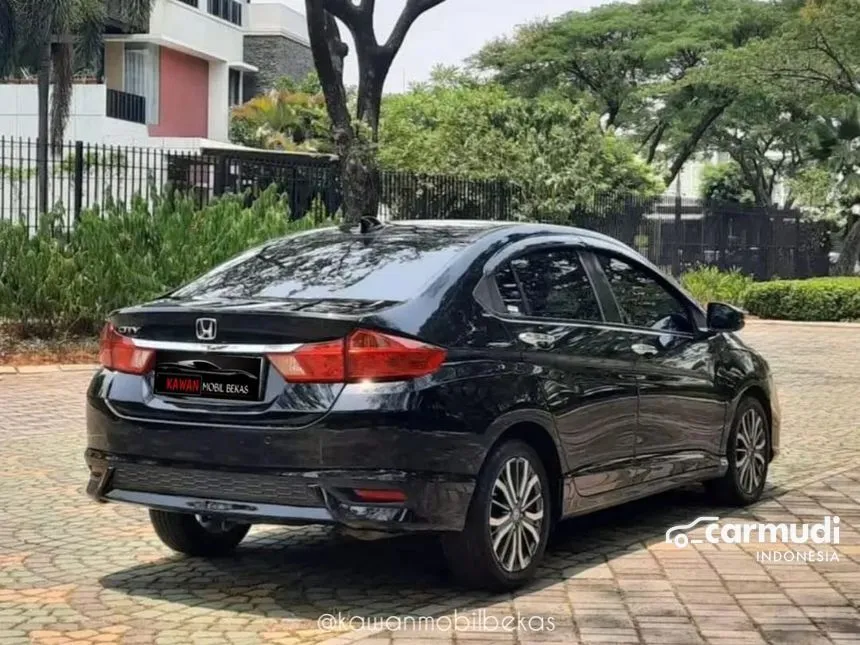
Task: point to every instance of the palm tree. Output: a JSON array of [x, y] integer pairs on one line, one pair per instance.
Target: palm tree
[[7, 33], [838, 146], [53, 36]]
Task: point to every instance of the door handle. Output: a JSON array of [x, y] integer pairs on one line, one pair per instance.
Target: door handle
[[541, 341], [643, 349]]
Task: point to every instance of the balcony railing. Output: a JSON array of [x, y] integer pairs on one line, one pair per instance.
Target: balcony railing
[[230, 10], [125, 106]]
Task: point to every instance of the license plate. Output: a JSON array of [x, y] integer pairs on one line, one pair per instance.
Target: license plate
[[205, 376]]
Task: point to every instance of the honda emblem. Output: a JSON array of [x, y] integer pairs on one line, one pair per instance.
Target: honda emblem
[[207, 328]]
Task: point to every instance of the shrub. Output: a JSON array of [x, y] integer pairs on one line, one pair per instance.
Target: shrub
[[56, 283], [709, 284], [825, 299]]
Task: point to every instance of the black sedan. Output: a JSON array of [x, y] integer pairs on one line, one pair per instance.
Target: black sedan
[[479, 380]]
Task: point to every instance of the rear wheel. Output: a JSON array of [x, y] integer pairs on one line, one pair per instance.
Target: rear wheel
[[508, 523], [747, 452], [197, 534]]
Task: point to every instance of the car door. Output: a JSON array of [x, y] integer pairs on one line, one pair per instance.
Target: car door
[[553, 313], [682, 410]]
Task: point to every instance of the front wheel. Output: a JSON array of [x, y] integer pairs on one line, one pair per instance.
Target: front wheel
[[508, 523], [197, 534], [748, 452]]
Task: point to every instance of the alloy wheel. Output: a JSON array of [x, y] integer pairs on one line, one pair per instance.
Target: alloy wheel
[[516, 515], [750, 457]]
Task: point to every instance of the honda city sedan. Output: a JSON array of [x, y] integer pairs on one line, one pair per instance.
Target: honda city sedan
[[477, 380]]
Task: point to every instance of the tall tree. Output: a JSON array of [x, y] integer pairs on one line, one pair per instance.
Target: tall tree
[[838, 146], [550, 147], [355, 139], [636, 64], [817, 48]]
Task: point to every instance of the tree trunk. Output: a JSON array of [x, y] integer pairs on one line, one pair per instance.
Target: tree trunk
[[850, 249], [42, 141], [689, 146], [359, 178]]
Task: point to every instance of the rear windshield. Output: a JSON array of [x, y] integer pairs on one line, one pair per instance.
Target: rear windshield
[[392, 264]]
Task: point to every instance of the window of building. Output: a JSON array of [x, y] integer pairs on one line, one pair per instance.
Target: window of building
[[141, 76]]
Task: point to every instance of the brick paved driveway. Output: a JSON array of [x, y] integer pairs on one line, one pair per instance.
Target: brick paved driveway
[[75, 571]]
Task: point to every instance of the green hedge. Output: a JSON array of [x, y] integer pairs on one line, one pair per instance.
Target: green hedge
[[823, 299], [709, 284], [59, 282]]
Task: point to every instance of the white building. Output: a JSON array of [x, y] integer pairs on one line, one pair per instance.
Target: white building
[[171, 83]]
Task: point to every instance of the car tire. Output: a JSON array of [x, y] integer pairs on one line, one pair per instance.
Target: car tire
[[744, 480], [192, 535], [471, 555]]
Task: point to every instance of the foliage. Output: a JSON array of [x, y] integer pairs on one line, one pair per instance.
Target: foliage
[[283, 119], [550, 147], [838, 147], [814, 53], [827, 299], [17, 174], [709, 284], [113, 159], [310, 84], [52, 284], [725, 183], [639, 65], [815, 191]]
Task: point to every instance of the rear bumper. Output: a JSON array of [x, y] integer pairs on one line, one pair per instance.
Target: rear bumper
[[433, 502]]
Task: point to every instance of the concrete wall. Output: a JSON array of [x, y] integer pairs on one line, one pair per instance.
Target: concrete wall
[[276, 42], [183, 96], [276, 18], [275, 56], [195, 31], [219, 101], [87, 121]]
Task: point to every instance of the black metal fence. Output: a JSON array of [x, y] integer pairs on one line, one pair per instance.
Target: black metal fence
[[674, 233]]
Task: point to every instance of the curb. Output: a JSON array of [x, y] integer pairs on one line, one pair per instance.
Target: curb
[[801, 323], [48, 369]]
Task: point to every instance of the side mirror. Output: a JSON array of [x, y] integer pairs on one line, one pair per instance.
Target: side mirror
[[723, 317]]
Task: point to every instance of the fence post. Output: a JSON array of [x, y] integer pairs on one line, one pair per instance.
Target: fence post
[[766, 243], [79, 178], [42, 175], [676, 236], [798, 261], [220, 179]]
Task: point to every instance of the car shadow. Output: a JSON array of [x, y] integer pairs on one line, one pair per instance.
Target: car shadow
[[301, 573]]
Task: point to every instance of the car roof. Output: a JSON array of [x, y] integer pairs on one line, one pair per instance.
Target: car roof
[[479, 228]]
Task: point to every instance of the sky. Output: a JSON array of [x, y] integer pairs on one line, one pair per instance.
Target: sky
[[451, 32]]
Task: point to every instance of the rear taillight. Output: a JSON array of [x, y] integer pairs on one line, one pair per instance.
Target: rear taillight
[[118, 353], [313, 363], [363, 356]]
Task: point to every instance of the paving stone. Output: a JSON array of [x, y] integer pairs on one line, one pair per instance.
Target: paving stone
[[75, 571]]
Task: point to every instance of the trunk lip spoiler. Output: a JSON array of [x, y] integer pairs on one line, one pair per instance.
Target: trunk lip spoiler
[[214, 348]]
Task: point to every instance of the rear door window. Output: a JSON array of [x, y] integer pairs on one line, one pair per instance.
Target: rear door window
[[549, 284], [331, 264]]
